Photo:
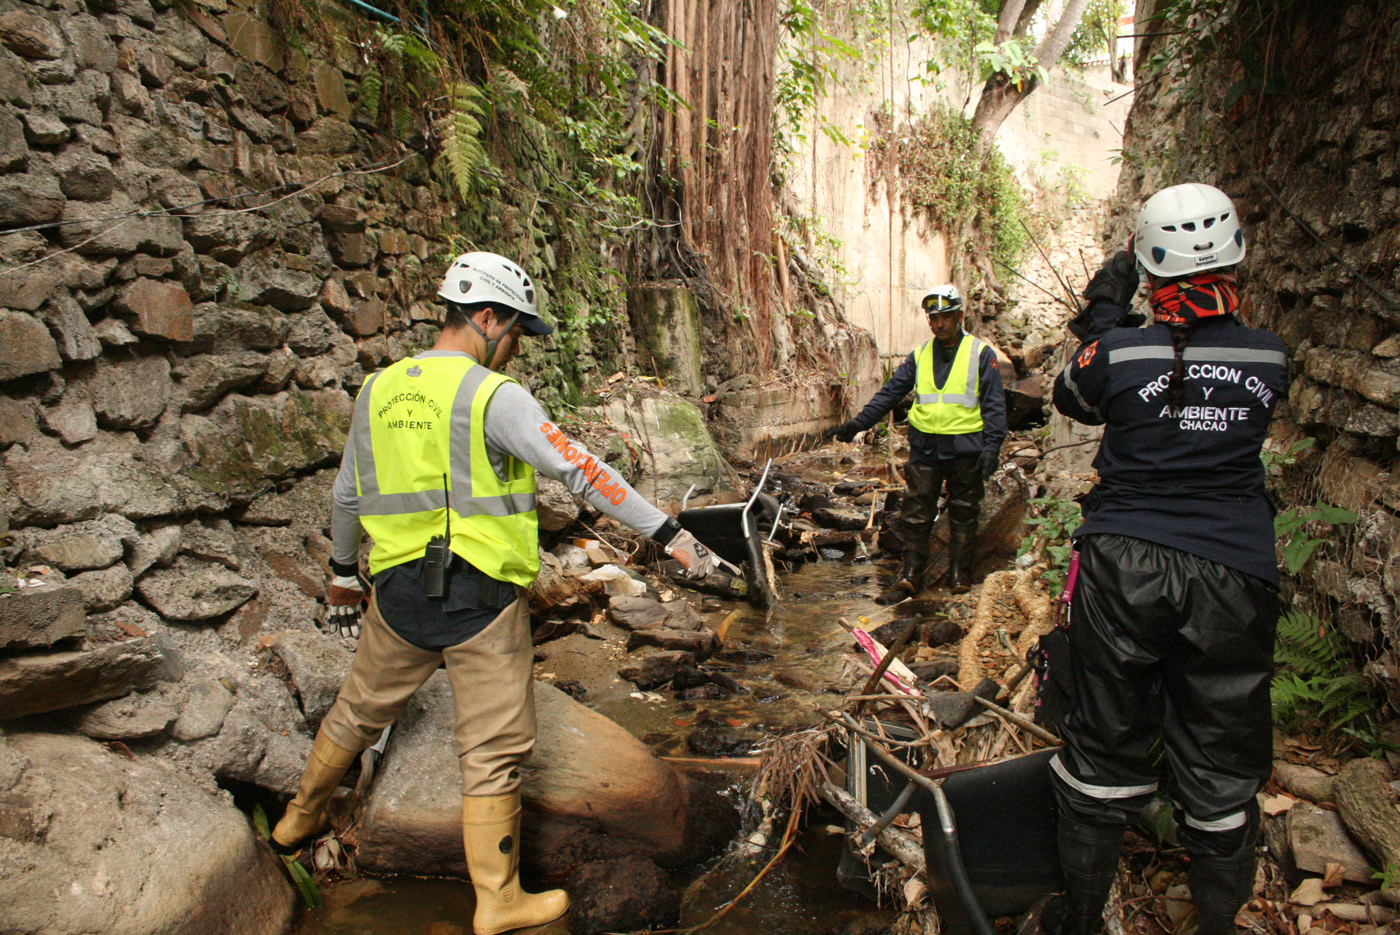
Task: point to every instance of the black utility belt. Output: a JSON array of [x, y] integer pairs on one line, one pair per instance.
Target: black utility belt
[[466, 585]]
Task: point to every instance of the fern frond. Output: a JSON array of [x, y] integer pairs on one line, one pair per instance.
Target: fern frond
[[460, 130], [403, 120], [371, 87], [1307, 646], [416, 51]]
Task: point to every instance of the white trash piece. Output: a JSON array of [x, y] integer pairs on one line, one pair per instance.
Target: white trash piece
[[616, 581]]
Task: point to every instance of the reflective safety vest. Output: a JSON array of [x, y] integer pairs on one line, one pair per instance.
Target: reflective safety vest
[[950, 409], [419, 443]]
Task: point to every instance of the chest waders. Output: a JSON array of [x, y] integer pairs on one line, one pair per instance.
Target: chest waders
[[423, 470]]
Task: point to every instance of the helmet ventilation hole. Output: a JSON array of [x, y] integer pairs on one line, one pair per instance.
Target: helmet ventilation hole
[[529, 295], [1209, 223], [1169, 227], [1189, 226]]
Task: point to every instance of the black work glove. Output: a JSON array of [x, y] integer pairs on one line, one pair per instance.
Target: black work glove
[[843, 432], [345, 602], [1116, 281], [987, 463], [1109, 294]]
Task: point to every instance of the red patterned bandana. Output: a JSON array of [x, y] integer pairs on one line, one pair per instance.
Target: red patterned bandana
[[1187, 301]]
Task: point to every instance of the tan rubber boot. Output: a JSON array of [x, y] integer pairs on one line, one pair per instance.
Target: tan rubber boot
[[491, 834], [306, 813]]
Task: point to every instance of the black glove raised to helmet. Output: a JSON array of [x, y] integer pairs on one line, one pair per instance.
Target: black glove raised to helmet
[[844, 432], [987, 463], [1109, 294], [1116, 280]]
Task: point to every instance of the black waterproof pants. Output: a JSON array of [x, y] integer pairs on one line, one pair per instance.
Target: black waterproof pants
[[1167, 643], [925, 485]]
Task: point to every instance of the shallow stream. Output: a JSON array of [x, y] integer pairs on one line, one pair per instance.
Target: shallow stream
[[790, 660]]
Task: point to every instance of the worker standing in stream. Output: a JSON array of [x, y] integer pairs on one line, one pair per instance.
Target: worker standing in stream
[[439, 469], [1173, 612], [956, 427]]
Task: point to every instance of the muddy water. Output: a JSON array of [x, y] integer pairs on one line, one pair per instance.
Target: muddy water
[[800, 896], [788, 657]]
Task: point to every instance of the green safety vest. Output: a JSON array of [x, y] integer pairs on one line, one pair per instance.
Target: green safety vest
[[950, 409], [421, 419]]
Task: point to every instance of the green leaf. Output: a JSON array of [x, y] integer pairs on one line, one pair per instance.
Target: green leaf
[[260, 822], [1297, 552], [1334, 514], [306, 887]]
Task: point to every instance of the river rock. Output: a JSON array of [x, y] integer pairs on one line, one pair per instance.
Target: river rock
[[627, 895], [318, 663], [656, 669], [193, 590], [591, 790], [135, 717], [642, 613], [701, 642], [202, 715], [103, 589], [1317, 837], [94, 544], [99, 842], [36, 617], [556, 505], [33, 684], [157, 546]]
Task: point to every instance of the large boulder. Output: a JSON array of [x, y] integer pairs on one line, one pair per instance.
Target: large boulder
[[592, 792], [677, 452], [92, 841]]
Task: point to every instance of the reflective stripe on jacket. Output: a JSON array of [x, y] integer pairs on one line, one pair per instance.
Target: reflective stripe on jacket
[[421, 464], [950, 409]]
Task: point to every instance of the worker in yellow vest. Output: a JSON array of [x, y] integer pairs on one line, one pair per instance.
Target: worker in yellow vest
[[439, 470], [956, 428]]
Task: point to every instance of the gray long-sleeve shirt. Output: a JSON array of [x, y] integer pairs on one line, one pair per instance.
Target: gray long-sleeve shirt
[[516, 425]]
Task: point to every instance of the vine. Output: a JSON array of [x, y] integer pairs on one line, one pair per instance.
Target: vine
[[942, 173]]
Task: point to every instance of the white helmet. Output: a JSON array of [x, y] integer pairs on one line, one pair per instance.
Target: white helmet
[[942, 299], [1188, 229], [476, 278]]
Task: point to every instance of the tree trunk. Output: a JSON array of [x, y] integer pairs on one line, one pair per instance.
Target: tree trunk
[[999, 95]]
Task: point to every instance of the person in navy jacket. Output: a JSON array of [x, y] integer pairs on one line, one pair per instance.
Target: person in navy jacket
[[1173, 614], [957, 424]]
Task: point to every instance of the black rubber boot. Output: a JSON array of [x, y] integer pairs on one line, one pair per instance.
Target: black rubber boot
[[910, 580], [1089, 860], [961, 541], [1220, 886]]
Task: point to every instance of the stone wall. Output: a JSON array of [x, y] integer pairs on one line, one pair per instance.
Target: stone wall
[[1304, 140], [204, 252]]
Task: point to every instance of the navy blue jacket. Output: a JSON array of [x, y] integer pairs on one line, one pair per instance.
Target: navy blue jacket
[[925, 448], [1188, 478]]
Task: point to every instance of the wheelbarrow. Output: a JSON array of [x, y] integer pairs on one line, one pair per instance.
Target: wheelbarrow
[[733, 531], [988, 835]]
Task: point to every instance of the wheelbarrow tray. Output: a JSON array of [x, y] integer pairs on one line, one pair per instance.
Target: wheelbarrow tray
[[1005, 816]]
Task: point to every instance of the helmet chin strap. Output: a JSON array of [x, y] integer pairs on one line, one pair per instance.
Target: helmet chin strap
[[493, 343]]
